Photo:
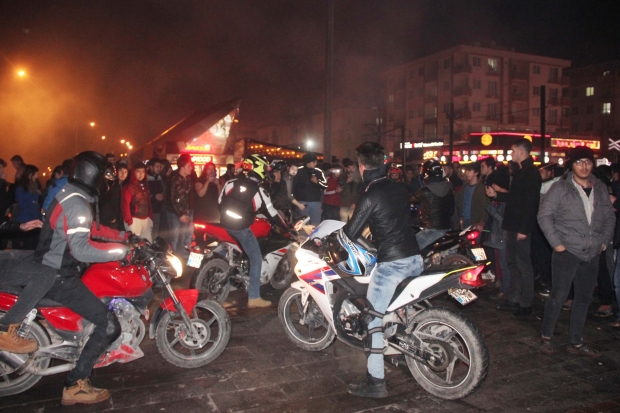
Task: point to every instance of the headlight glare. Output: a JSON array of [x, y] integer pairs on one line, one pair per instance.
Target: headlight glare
[[176, 264]]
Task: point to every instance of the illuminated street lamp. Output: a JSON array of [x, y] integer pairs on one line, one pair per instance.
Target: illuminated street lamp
[[21, 73], [309, 144], [103, 138], [77, 130]]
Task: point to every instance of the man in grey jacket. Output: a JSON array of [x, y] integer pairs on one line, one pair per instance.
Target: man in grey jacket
[[578, 220]]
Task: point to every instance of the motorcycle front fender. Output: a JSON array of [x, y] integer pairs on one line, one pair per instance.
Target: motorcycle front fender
[[298, 285], [188, 299]]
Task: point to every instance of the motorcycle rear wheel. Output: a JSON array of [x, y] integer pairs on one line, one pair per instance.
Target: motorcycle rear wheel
[[212, 325], [14, 383], [462, 356], [212, 280], [283, 273], [300, 327]]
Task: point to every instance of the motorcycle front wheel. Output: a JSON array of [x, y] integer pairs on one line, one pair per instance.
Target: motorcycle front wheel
[[15, 383], [212, 280], [460, 357], [283, 273], [178, 347], [304, 325]]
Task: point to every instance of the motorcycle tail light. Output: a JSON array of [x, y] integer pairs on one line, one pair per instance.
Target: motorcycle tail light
[[472, 277], [473, 235], [199, 226]]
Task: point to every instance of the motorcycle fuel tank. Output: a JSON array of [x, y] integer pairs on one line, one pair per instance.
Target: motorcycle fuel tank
[[111, 280]]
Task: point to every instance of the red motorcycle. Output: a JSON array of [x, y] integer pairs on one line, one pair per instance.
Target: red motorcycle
[[221, 263], [188, 333]]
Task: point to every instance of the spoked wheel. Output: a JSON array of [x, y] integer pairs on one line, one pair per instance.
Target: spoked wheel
[[304, 323], [459, 357], [179, 347], [14, 381], [284, 272], [212, 280]]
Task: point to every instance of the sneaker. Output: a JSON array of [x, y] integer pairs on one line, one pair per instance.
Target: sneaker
[[522, 313], [14, 343], [369, 387], [258, 303], [83, 392], [545, 293], [567, 305], [603, 311], [547, 347], [584, 350]]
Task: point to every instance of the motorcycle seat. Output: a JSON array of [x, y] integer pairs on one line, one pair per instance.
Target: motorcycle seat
[[15, 290]]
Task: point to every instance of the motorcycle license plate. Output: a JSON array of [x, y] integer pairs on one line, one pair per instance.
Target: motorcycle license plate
[[195, 260], [479, 254], [462, 296]]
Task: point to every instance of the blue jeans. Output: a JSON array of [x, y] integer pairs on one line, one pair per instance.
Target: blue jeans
[[386, 278], [179, 233], [252, 250], [313, 210], [427, 236]]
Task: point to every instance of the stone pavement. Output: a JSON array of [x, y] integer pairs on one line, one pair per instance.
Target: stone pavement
[[261, 371]]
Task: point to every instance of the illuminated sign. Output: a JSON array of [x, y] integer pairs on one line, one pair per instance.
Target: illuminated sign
[[430, 155], [486, 139], [528, 137], [417, 145], [198, 148], [202, 159], [614, 145], [572, 143]]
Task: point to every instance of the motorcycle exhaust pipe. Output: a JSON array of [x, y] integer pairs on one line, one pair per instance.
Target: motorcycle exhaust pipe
[[26, 366], [11, 359]]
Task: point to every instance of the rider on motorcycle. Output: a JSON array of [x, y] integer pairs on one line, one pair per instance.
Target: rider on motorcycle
[[436, 201], [18, 270], [67, 243], [384, 206], [240, 200]]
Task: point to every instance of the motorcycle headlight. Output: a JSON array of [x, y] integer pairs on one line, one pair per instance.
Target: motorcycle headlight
[[176, 264]]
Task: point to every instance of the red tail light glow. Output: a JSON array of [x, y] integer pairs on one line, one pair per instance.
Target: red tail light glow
[[472, 277], [473, 235], [199, 226]]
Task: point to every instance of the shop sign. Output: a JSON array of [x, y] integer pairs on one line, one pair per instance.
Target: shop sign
[[572, 143], [201, 159], [486, 139], [614, 145], [417, 145], [430, 155]]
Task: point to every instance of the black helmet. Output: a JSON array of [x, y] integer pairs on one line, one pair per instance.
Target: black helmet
[[277, 165], [432, 168], [91, 170]]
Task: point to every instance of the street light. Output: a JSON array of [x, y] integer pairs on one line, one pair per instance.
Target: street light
[[21, 73], [309, 144], [77, 130]]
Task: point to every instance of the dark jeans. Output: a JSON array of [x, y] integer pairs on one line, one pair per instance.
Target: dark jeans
[[541, 255], [73, 294], [251, 248], [17, 269], [568, 269], [605, 274], [521, 271]]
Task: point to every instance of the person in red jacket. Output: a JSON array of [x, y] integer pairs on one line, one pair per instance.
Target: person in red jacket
[[136, 204]]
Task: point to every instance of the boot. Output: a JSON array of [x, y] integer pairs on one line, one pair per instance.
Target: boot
[[258, 303], [11, 341], [83, 392], [369, 387]]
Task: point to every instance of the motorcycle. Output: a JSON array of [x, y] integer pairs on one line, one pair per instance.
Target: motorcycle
[[188, 333], [455, 248], [443, 350], [221, 263]]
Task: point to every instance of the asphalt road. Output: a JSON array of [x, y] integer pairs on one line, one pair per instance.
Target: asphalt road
[[261, 371]]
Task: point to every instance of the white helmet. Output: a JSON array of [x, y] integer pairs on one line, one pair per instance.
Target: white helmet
[[359, 261]]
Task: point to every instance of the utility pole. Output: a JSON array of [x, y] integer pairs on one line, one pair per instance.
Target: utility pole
[[379, 123], [327, 140], [402, 142], [451, 133], [543, 121]]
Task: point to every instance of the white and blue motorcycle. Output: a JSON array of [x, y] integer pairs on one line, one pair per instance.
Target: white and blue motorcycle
[[443, 349]]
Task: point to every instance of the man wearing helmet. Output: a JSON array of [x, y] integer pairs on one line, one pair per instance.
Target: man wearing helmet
[[66, 243], [384, 207], [240, 200], [436, 201]]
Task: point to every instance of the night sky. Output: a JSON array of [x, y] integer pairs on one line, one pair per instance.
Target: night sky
[[137, 67]]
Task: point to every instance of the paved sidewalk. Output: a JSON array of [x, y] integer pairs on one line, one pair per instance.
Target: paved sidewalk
[[261, 371]]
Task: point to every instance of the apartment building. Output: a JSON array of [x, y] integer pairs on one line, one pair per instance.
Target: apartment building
[[491, 90]]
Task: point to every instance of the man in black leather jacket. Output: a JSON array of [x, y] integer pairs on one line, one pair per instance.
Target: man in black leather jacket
[[177, 201], [436, 201], [384, 206]]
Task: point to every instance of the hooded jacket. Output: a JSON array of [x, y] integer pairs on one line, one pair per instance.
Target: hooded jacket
[[562, 217], [306, 190], [384, 206], [136, 200], [436, 201]]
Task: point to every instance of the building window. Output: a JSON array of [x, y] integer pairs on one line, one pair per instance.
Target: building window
[[565, 112], [536, 90], [590, 91], [492, 65], [536, 69], [554, 74], [486, 129], [475, 107], [492, 88], [410, 114], [475, 61], [553, 116], [553, 93], [492, 110], [606, 108], [420, 112], [446, 63], [477, 83], [575, 110], [589, 109], [565, 92], [446, 85], [536, 112]]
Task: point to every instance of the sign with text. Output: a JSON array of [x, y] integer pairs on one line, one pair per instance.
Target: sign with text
[[416, 145], [572, 143]]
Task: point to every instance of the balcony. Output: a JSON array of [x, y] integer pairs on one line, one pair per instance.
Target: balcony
[[554, 101], [555, 79], [493, 95], [430, 76], [493, 117], [465, 68], [518, 119], [520, 76], [519, 97], [491, 72], [430, 119], [430, 98], [553, 121], [461, 91], [460, 114]]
